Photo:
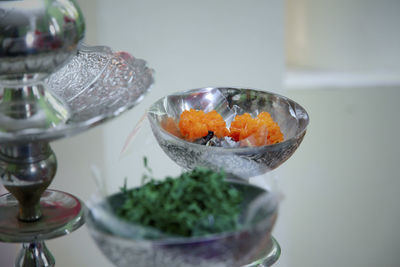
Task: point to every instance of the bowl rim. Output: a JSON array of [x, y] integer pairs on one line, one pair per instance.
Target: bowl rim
[[185, 240], [232, 149]]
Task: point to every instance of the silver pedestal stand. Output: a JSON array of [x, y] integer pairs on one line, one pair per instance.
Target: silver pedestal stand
[[51, 87]]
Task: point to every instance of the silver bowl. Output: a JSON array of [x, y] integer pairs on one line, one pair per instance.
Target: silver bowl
[[244, 162], [126, 244]]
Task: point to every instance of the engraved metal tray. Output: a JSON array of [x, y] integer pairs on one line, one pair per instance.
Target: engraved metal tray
[[96, 85]]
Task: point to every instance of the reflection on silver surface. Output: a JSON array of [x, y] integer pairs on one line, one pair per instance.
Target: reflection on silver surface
[[35, 254], [123, 247], [96, 85], [269, 257], [30, 107], [62, 214], [26, 171], [37, 37], [243, 162]]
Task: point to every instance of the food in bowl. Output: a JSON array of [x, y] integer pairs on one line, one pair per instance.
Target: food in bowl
[[196, 203], [236, 158], [210, 129], [125, 243]]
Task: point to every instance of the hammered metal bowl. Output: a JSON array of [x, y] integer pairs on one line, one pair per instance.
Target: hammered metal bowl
[[242, 247], [244, 162]]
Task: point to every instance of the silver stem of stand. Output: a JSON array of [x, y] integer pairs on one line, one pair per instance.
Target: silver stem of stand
[[26, 170], [35, 254]]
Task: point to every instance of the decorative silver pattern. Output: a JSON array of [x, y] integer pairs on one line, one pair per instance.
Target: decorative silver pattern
[[95, 85], [242, 162], [100, 82], [224, 253]]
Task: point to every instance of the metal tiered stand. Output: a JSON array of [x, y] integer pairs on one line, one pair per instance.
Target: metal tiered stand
[[51, 87]]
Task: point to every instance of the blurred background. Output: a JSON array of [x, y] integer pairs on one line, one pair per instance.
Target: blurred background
[[339, 59]]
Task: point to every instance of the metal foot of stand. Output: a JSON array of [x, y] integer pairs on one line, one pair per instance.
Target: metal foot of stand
[[272, 256], [35, 254], [62, 213]]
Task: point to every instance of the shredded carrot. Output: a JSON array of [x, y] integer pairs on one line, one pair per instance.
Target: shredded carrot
[[216, 124], [192, 124], [195, 124], [244, 126]]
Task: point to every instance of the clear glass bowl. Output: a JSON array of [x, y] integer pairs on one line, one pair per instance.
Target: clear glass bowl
[[244, 162], [126, 244]]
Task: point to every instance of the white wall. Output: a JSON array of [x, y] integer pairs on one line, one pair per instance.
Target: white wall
[[342, 188], [342, 185], [356, 35]]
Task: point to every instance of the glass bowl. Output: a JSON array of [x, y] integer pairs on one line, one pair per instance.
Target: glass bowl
[[244, 162], [126, 244]]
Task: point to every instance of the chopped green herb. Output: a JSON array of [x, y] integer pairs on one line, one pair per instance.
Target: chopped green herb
[[195, 203]]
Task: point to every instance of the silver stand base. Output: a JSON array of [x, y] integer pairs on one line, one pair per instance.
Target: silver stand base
[[62, 213]]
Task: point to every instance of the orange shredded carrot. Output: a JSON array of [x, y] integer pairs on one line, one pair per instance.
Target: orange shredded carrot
[[192, 124], [216, 124], [195, 124], [274, 131], [258, 131]]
